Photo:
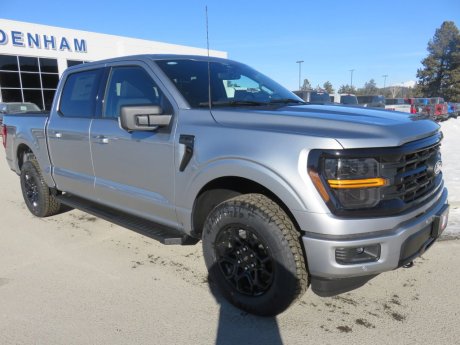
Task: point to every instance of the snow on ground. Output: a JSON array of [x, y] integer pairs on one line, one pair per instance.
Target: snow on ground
[[451, 170]]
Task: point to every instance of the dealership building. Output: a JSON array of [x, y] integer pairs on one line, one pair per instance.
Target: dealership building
[[33, 56]]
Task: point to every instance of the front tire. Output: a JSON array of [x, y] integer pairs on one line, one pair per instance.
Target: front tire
[[253, 254], [39, 198]]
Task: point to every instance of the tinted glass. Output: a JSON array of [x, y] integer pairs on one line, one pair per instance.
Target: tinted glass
[[50, 81], [11, 95], [48, 65], [48, 96], [231, 83], [393, 101], [364, 99], [28, 64], [21, 107], [379, 99], [35, 97], [421, 101], [320, 97], [78, 97], [9, 79], [30, 80], [132, 86], [8, 62], [348, 99]]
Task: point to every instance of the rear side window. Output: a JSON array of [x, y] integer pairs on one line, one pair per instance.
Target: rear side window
[[79, 94]]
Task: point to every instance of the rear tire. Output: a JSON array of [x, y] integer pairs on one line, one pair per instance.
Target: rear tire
[[253, 254], [39, 198]]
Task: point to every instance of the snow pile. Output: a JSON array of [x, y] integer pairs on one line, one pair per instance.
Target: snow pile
[[451, 170]]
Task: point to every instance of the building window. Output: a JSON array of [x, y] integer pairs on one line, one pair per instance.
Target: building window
[[28, 79]]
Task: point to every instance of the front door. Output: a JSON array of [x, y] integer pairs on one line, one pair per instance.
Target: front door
[[134, 171]]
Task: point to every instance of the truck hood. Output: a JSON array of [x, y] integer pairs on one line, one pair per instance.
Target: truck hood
[[352, 127]]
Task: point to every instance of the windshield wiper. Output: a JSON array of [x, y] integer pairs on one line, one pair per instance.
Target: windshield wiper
[[286, 101], [232, 103]]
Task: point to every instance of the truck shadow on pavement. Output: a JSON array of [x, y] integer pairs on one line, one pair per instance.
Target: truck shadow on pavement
[[239, 327]]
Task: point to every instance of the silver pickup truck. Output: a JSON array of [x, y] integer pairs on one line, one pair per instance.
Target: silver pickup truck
[[283, 195]]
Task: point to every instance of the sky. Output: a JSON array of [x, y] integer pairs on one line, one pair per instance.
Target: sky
[[373, 38]]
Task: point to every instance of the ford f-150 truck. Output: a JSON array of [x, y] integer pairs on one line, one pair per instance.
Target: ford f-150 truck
[[282, 194]]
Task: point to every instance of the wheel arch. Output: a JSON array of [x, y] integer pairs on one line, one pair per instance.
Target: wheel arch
[[230, 179], [21, 155]]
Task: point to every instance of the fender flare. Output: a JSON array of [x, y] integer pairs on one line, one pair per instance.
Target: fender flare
[[236, 167]]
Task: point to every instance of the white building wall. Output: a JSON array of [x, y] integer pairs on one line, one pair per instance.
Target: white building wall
[[15, 40]]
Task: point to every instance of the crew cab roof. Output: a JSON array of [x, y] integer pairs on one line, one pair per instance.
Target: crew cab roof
[[150, 57]]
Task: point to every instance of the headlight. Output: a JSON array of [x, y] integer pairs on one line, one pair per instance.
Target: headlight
[[354, 182]]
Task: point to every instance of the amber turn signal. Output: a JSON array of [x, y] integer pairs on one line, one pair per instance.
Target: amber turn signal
[[360, 183]]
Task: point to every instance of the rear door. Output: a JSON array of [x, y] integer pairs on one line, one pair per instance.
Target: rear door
[[68, 132], [134, 170]]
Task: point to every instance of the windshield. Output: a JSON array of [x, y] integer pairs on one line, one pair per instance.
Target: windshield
[[21, 107], [348, 99], [320, 97], [232, 84]]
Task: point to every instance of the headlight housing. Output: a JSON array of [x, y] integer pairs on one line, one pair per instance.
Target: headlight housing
[[353, 182]]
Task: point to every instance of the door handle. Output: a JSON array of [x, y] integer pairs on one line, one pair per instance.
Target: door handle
[[100, 139]]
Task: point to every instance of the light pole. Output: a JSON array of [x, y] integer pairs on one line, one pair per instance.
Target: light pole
[[300, 70], [384, 80], [351, 78]]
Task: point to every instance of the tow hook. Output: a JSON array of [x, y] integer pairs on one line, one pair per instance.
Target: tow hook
[[409, 264]]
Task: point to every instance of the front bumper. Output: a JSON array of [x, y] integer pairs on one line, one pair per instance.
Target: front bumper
[[398, 245]]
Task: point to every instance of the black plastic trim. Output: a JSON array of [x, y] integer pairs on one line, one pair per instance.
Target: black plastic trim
[[189, 142], [324, 287], [161, 233]]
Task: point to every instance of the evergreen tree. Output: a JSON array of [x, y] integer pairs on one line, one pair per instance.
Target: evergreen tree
[[328, 87], [306, 85], [347, 89], [370, 88], [440, 75]]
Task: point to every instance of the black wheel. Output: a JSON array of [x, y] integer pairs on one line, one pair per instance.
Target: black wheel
[[253, 254], [38, 197]]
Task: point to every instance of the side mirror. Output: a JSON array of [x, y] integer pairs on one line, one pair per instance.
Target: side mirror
[[143, 118]]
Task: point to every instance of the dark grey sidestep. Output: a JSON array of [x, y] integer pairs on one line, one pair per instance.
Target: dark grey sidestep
[[144, 227]]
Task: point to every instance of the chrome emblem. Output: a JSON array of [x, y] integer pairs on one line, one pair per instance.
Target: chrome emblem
[[437, 167]]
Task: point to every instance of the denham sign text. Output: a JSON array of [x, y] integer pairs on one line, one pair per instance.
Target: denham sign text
[[38, 41]]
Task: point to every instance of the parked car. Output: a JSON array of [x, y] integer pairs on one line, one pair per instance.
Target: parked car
[[344, 98], [453, 110], [438, 109], [16, 108], [314, 96], [283, 195], [399, 104], [372, 101]]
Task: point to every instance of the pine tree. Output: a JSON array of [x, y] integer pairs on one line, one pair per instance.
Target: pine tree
[[370, 88], [306, 85], [440, 75], [328, 87], [347, 89]]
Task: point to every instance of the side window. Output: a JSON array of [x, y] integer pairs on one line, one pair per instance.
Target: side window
[[79, 94], [131, 85]]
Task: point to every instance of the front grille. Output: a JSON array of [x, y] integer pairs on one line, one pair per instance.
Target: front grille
[[415, 176]]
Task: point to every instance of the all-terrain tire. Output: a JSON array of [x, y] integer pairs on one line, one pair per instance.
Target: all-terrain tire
[[253, 254], [39, 198]]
